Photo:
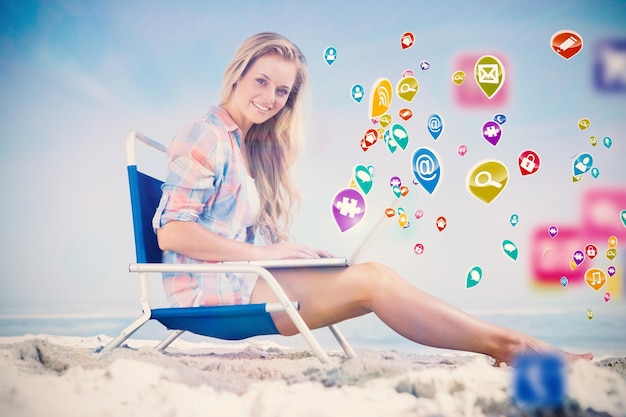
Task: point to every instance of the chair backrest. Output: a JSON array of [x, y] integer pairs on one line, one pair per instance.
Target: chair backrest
[[145, 193]]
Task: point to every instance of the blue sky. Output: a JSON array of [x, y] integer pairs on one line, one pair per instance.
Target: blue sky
[[77, 76]]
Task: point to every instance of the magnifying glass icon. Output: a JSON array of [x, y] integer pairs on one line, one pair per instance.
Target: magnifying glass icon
[[405, 88], [488, 181]]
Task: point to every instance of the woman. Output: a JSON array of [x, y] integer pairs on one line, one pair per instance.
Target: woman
[[228, 197]]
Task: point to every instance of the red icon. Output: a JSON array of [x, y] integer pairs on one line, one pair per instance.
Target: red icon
[[566, 43], [407, 39], [441, 223], [405, 113], [419, 249], [528, 162], [591, 251], [370, 138]]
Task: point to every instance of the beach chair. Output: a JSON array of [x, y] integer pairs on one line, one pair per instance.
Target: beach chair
[[234, 322]]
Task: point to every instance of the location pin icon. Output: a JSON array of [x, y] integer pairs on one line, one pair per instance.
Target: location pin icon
[[427, 168], [348, 208], [435, 126], [489, 75], [363, 178], [474, 276]]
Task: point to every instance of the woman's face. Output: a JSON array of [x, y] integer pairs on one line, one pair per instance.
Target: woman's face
[[262, 92]]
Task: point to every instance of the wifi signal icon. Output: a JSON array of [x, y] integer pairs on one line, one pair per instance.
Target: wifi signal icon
[[380, 97]]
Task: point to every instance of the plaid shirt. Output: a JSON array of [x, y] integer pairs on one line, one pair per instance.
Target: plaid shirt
[[207, 183]]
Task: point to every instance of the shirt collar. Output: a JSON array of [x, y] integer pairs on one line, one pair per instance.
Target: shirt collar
[[228, 122]]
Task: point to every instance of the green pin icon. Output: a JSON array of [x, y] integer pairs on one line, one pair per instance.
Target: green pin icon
[[489, 75], [510, 249], [474, 276]]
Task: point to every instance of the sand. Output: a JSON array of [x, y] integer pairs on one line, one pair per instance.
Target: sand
[[45, 375]]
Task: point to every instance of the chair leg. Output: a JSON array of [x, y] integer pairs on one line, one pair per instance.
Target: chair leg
[[342, 341], [168, 340], [127, 332]]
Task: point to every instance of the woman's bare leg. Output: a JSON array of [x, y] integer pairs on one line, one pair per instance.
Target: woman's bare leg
[[331, 295]]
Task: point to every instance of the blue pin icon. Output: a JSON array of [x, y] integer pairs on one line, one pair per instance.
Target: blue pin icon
[[427, 169], [607, 141], [357, 92], [564, 281], [330, 55], [582, 164], [435, 126], [474, 276], [364, 178]]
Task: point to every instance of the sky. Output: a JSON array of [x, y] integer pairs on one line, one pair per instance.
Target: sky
[[76, 76]]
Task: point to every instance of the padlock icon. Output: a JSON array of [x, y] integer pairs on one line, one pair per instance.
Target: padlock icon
[[528, 162]]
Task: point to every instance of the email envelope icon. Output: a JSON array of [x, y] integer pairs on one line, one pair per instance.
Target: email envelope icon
[[488, 74]]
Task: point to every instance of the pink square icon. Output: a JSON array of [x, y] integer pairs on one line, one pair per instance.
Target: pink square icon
[[469, 94]]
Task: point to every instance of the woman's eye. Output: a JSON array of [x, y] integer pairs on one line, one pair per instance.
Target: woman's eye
[[283, 92], [261, 81]]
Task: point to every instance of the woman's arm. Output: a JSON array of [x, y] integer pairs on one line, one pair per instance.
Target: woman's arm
[[193, 240]]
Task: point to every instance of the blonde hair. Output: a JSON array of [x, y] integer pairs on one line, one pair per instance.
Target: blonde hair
[[272, 147]]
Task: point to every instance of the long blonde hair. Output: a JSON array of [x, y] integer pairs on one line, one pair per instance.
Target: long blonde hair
[[272, 147]]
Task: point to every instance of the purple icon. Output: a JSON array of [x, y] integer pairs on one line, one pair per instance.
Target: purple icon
[[348, 208], [553, 231], [492, 132], [611, 270], [578, 257], [608, 75]]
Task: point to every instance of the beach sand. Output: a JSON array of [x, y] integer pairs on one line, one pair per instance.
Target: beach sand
[[44, 375]]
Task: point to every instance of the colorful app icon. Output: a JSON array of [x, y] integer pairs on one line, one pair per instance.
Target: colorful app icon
[[500, 118], [424, 65], [370, 138], [566, 43], [380, 97], [607, 142], [593, 140], [435, 126], [564, 281], [419, 214], [492, 132], [622, 217], [441, 223], [595, 172], [458, 77], [595, 278], [474, 276], [330, 55], [611, 270], [385, 120], [364, 178], [607, 297], [487, 179], [591, 251], [405, 113], [348, 208], [582, 164], [489, 74], [462, 150], [539, 380], [407, 88], [427, 168], [578, 257], [514, 220], [611, 253], [609, 70], [406, 40], [528, 162], [510, 249], [470, 94], [584, 123], [590, 314], [418, 248], [612, 242], [553, 231], [357, 92]]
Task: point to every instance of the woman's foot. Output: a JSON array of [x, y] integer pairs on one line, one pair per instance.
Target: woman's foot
[[516, 343]]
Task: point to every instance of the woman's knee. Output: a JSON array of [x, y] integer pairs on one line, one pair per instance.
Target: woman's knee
[[377, 275]]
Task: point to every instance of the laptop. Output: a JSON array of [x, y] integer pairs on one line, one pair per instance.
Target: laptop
[[323, 262]]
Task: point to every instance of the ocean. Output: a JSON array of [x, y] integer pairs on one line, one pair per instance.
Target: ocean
[[569, 329]]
